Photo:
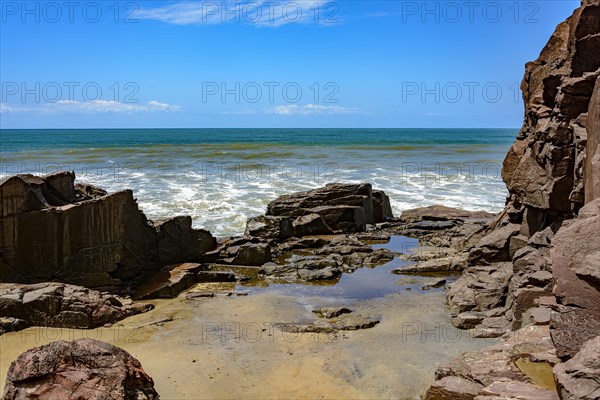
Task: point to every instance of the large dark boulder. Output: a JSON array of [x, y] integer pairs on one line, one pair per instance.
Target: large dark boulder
[[177, 241], [342, 208], [51, 230], [269, 227], [81, 369]]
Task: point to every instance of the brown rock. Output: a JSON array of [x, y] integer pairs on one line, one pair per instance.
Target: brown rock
[[453, 388], [540, 315], [441, 213], [331, 312], [62, 305], [254, 254], [579, 378], [442, 264], [170, 281], [342, 323], [342, 218], [467, 320], [495, 246], [382, 210], [480, 288], [82, 369], [269, 227], [571, 327], [515, 244], [575, 248], [177, 241], [497, 362], [353, 322], [360, 195], [591, 169], [540, 169], [509, 389], [310, 224]]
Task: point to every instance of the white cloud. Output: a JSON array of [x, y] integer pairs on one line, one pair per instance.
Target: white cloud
[[253, 12], [6, 109], [311, 109], [241, 112], [432, 114], [154, 105], [91, 107]]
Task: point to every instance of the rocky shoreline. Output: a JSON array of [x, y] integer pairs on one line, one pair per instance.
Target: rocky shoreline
[[74, 256], [534, 276]]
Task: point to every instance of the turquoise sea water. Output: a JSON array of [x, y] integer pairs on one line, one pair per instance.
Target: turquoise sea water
[[222, 176]]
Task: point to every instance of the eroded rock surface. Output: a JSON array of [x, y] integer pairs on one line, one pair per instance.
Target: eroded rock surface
[[61, 305], [579, 378], [333, 208], [494, 371], [537, 265], [52, 229], [81, 369]]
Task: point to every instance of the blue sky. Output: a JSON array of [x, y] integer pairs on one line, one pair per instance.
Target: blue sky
[[269, 64]]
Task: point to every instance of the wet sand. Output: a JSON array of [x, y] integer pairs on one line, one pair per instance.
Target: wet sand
[[230, 347]]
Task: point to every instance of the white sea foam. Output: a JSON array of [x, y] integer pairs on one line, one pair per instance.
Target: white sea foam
[[171, 181]]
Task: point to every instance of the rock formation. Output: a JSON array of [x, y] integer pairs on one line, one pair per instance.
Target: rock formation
[[81, 369], [549, 172], [61, 305], [291, 223], [538, 265], [579, 378], [334, 208], [52, 229]]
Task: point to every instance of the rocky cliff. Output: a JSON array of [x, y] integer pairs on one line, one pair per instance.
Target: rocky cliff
[[539, 263], [54, 230]]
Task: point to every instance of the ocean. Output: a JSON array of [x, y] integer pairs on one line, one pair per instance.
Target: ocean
[[223, 176]]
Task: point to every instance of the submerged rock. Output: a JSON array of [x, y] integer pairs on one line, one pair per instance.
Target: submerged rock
[[331, 312], [340, 323], [81, 369]]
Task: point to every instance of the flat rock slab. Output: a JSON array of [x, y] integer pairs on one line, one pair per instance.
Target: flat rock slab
[[432, 225], [540, 315], [434, 284], [60, 305], [169, 281], [354, 322], [441, 213], [343, 323], [509, 389], [453, 388], [496, 362]]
